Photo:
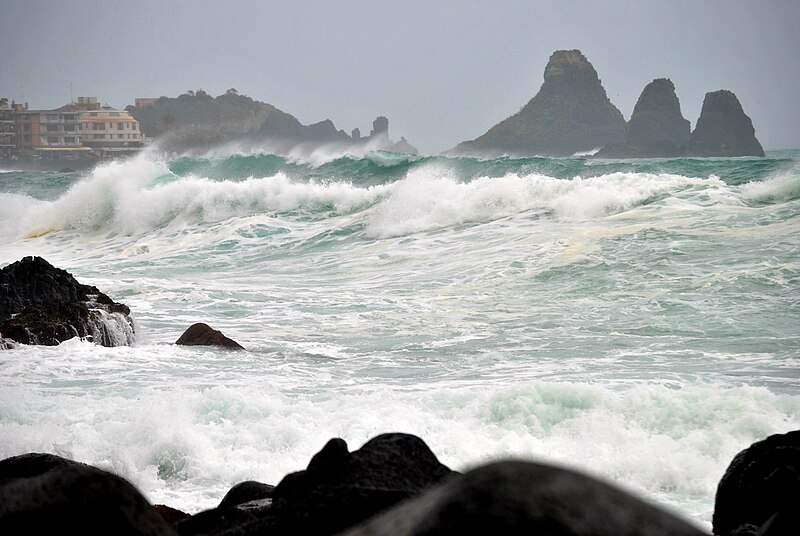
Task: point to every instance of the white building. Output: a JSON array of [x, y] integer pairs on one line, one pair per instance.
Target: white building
[[110, 132]]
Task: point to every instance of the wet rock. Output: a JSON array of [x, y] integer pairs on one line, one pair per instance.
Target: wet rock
[[6, 344], [46, 494], [657, 127], [723, 129], [570, 113], [215, 521], [204, 335], [169, 514], [41, 304], [244, 492], [525, 498], [761, 481], [340, 488]]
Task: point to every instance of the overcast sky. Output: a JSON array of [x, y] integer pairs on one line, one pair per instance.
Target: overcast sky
[[441, 71]]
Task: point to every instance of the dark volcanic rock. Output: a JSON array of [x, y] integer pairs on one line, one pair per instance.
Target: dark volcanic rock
[[204, 335], [169, 514], [723, 129], [571, 113], [338, 489], [525, 498], [6, 344], [760, 482], [41, 304], [656, 129], [247, 491], [46, 494]]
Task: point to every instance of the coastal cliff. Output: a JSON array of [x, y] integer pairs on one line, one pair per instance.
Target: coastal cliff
[[570, 113], [198, 121]]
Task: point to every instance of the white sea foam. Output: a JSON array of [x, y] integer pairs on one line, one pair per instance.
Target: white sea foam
[[139, 195], [232, 419], [781, 187], [431, 198]]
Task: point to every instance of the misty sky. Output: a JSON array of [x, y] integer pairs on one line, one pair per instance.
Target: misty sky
[[441, 71]]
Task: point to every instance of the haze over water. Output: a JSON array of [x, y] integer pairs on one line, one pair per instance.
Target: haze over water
[[634, 319]]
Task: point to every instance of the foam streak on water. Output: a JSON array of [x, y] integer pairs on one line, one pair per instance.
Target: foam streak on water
[[635, 319]]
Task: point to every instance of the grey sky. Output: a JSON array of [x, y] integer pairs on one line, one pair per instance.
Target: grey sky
[[442, 71]]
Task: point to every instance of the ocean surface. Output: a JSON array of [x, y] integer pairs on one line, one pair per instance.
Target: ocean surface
[[637, 320]]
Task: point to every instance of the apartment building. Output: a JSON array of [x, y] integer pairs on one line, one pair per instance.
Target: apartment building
[[110, 132], [8, 142], [48, 131]]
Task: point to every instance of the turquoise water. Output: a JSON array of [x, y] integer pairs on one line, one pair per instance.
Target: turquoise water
[[634, 319]]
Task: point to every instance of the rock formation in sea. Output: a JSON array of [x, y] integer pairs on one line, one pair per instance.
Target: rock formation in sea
[[204, 335], [41, 304], [196, 121], [570, 113], [656, 128], [760, 490], [723, 129]]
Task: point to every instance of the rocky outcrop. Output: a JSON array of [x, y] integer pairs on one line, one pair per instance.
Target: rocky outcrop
[[197, 121], [246, 491], [656, 129], [392, 485], [571, 113], [761, 488], [526, 498], [46, 494], [723, 129], [6, 344], [41, 304], [204, 335], [338, 490]]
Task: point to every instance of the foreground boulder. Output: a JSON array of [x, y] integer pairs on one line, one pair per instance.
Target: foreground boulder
[[247, 491], [338, 490], [204, 335], [657, 127], [570, 113], [41, 304], [46, 494], [723, 129], [526, 498], [761, 488]]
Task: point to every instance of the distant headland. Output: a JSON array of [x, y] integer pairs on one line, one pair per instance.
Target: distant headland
[[571, 114]]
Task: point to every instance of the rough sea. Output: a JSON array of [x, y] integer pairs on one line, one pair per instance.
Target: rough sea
[[638, 320]]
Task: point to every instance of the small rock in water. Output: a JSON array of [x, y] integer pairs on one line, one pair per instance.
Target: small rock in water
[[204, 335]]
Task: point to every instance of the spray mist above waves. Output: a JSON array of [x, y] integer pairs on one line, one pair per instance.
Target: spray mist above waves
[[417, 194]]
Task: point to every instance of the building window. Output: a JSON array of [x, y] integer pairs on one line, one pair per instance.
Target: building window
[[120, 126], [69, 139], [52, 140], [98, 126]]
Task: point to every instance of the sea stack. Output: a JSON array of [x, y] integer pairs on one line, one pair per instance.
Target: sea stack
[[571, 113], [656, 129], [723, 129]]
